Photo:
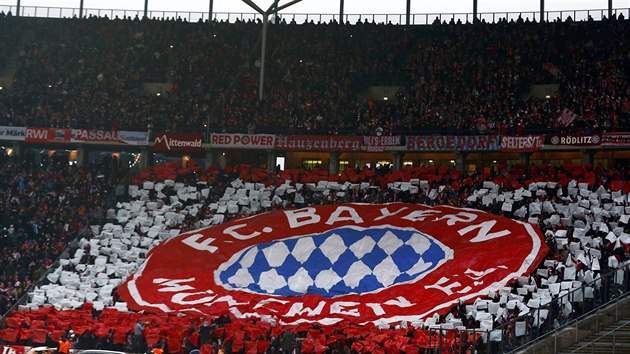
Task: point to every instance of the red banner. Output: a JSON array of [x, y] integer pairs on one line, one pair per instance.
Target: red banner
[[528, 143], [319, 143], [354, 262], [616, 139], [180, 142], [47, 135], [453, 143], [552, 69], [13, 349], [575, 140], [378, 143], [251, 141]]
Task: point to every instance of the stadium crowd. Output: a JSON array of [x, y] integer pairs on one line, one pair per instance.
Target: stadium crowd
[[9, 29], [43, 208], [559, 208], [90, 73]]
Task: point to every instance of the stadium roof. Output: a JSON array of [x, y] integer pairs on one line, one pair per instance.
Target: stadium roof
[[395, 11]]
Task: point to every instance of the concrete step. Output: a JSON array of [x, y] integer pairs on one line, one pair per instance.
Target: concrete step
[[619, 335], [623, 331], [601, 343], [597, 343], [598, 351], [601, 346]]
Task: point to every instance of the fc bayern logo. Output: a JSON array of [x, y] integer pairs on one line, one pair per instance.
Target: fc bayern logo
[[341, 261], [330, 263], [596, 139]]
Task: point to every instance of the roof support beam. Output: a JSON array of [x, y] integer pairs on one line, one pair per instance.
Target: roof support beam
[[287, 5], [341, 11], [274, 8], [254, 6], [610, 9]]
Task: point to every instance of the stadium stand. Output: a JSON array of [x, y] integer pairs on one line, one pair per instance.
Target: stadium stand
[[43, 209], [66, 79], [453, 79], [545, 202]]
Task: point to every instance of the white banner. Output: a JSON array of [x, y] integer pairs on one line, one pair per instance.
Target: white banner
[[133, 138], [12, 133], [566, 118], [252, 141]]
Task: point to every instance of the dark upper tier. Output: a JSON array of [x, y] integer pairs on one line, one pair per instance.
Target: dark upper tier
[[450, 78]]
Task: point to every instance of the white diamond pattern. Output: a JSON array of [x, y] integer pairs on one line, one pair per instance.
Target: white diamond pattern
[[357, 271], [362, 247], [241, 278], [386, 272], [303, 249], [249, 257], [419, 267], [276, 254], [389, 243], [253, 271], [333, 247], [419, 243], [300, 281], [270, 281], [326, 279]]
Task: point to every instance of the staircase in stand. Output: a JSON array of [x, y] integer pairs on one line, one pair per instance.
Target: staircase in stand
[[612, 339]]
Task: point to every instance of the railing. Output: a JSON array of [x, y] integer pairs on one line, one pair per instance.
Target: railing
[[548, 319], [604, 336], [415, 19], [608, 290]]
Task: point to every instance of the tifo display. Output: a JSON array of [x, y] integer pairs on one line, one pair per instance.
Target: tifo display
[[338, 251], [359, 188]]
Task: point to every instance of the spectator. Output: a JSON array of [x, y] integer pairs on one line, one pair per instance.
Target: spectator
[[138, 337], [449, 75], [43, 209]]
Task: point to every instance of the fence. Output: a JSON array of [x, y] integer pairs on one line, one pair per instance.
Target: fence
[[570, 309], [415, 19]]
